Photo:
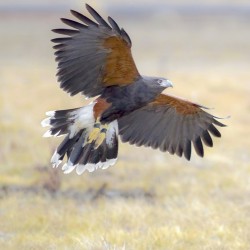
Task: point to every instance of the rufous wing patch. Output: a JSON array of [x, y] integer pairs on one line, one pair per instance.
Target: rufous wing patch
[[181, 106], [119, 68]]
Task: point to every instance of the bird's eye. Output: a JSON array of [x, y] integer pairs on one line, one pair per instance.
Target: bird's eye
[[159, 81]]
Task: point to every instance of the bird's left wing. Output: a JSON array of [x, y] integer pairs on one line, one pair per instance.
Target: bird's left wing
[[170, 124], [93, 55]]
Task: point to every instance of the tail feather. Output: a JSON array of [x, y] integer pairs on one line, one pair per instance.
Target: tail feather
[[88, 144], [64, 148], [77, 151], [59, 122]]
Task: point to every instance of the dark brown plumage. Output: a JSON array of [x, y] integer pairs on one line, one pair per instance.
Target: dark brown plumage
[[95, 59]]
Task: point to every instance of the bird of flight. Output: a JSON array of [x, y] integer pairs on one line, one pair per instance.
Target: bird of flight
[[94, 59]]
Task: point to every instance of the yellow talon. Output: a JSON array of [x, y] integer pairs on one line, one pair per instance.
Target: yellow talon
[[100, 139], [97, 134], [93, 134]]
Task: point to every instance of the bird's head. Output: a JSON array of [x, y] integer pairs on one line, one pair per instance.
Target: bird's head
[[157, 83], [164, 83]]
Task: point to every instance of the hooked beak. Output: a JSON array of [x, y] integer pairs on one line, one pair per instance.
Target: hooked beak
[[167, 84]]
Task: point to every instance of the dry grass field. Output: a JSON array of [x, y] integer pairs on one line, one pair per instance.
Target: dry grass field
[[148, 200]]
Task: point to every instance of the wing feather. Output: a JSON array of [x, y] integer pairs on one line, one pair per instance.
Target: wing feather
[[97, 17], [187, 149], [94, 55], [170, 124], [126, 37], [61, 40], [114, 25], [198, 146], [73, 24], [206, 138], [67, 32], [214, 131], [83, 18]]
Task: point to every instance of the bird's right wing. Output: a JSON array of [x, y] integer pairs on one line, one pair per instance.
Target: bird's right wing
[[93, 55], [170, 124]]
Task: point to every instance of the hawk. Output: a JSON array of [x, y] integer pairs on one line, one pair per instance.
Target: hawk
[[94, 58]]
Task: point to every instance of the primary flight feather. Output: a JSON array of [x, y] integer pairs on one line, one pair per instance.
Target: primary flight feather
[[94, 59]]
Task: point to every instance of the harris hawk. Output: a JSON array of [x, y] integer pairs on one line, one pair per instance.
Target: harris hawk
[[94, 59]]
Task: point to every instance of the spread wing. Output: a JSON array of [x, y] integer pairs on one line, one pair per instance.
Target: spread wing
[[170, 124], [93, 55]]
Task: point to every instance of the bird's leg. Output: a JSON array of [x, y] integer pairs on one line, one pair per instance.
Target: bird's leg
[[98, 133]]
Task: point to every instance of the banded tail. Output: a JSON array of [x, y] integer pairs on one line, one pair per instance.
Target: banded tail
[[88, 144]]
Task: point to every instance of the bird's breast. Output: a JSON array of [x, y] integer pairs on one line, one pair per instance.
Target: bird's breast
[[124, 100]]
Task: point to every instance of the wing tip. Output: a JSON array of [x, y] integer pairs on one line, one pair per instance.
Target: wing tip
[[73, 11], [87, 6], [187, 157], [220, 118]]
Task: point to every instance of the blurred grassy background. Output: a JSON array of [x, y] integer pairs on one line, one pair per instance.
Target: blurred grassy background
[[148, 200]]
